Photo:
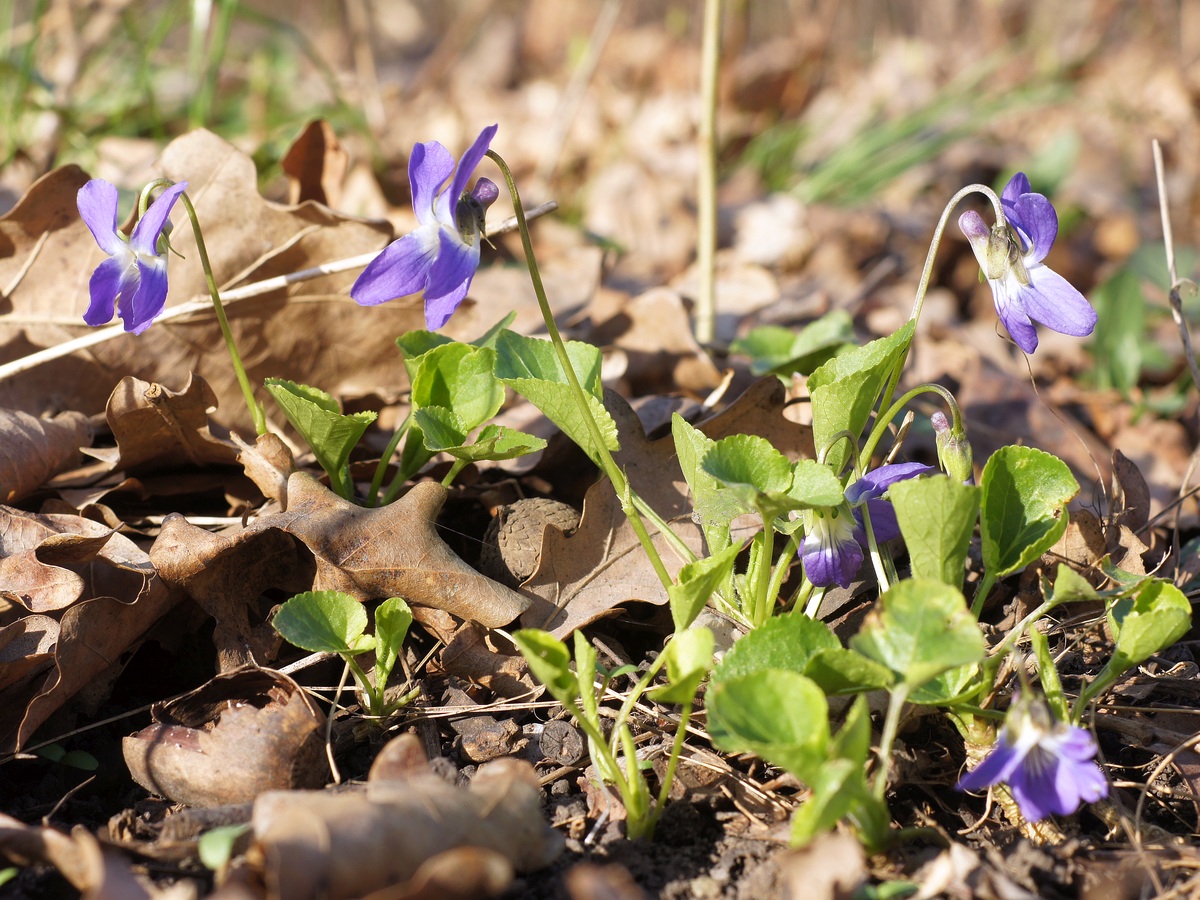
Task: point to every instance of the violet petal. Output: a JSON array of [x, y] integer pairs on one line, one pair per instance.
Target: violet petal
[[428, 168], [1053, 301], [1037, 220], [401, 269], [97, 202], [145, 233], [104, 288]]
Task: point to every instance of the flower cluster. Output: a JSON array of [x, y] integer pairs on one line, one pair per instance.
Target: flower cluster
[[1046, 764], [835, 538], [133, 280], [1024, 289], [441, 256]]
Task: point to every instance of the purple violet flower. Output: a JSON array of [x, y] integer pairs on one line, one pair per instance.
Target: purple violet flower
[[835, 538], [133, 280], [1024, 290], [1046, 764], [441, 256]]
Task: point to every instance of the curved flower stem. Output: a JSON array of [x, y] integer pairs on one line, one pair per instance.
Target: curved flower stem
[[614, 473], [927, 271], [256, 410], [881, 423], [878, 562]]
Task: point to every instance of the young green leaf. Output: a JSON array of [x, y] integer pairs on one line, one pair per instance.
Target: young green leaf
[[416, 344], [839, 786], [784, 351], [530, 367], [814, 485], [550, 662], [715, 508], [1154, 618], [459, 377], [937, 517], [329, 434], [392, 620], [324, 622], [1024, 508], [845, 389], [783, 642], [779, 715], [697, 582], [689, 659], [919, 629]]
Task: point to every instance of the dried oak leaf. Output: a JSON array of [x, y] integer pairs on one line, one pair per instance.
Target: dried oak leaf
[[48, 562], [241, 734], [159, 429], [371, 554], [348, 844], [602, 565], [32, 449], [26, 648], [112, 598]]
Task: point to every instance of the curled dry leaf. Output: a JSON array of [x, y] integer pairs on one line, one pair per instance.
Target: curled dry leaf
[[159, 429], [469, 656], [101, 587], [371, 554], [584, 576], [350, 843], [26, 648], [242, 733], [269, 464], [316, 165], [33, 449]]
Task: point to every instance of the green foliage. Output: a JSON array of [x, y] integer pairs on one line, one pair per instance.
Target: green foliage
[[330, 435], [937, 517], [1151, 618], [333, 622], [918, 630], [697, 582], [1024, 507], [782, 351], [530, 367], [777, 714], [691, 446], [1120, 332], [216, 846], [689, 659], [845, 389]]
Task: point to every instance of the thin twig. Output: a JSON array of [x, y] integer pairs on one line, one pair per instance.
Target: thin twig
[[1176, 283], [193, 307]]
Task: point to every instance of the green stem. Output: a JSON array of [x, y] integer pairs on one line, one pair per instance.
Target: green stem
[[672, 762], [985, 588], [881, 423], [385, 460], [877, 560], [762, 608], [927, 272], [891, 725], [256, 410], [374, 698], [636, 693], [779, 573], [614, 473], [706, 187], [458, 466]]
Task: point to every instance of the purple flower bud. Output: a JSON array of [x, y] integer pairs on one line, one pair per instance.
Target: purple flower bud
[[954, 450]]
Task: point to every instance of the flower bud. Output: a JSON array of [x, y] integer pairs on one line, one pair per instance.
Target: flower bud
[[954, 450]]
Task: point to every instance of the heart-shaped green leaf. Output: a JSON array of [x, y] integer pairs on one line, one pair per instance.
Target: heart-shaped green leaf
[[937, 517], [324, 622], [1024, 509]]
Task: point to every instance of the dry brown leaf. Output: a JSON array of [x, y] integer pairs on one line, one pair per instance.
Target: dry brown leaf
[[95, 637], [1130, 493], [347, 844], [583, 577], [316, 165], [241, 734], [159, 429], [48, 562], [26, 648], [371, 554], [33, 449]]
